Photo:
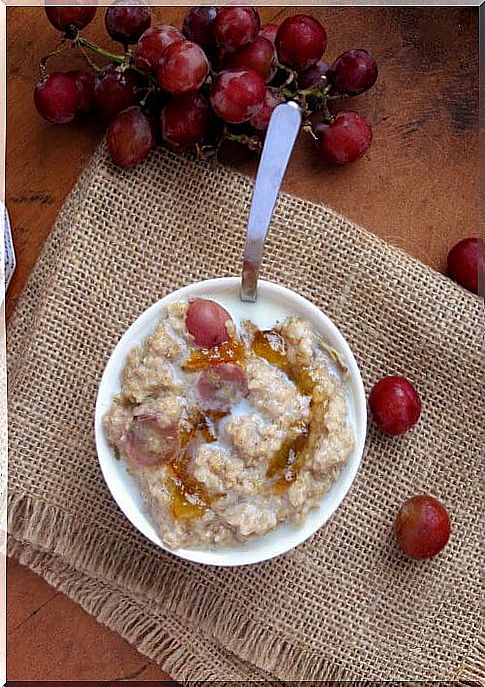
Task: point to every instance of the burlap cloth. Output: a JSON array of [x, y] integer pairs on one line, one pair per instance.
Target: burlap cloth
[[345, 605]]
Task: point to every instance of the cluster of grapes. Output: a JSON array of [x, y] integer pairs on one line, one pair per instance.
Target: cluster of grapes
[[219, 77]]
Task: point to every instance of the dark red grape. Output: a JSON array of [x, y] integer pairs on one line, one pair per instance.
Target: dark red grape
[[259, 55], [346, 139], [235, 26], [182, 68], [237, 95], [152, 43], [206, 321], [198, 25], [314, 75], [301, 41], [56, 98], [84, 81], [130, 137], [395, 405], [114, 90], [462, 263], [186, 120], [222, 385], [269, 31], [126, 21], [149, 442], [422, 527], [354, 72], [260, 120], [73, 17]]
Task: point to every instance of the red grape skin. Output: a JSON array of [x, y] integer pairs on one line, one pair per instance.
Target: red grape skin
[[114, 90], [206, 321], [272, 99], [186, 120], [269, 31], [237, 95], [182, 68], [316, 74], [345, 140], [462, 263], [301, 41], [235, 26], [259, 55], [56, 98], [198, 26], [221, 385], [76, 16], [354, 72], [126, 22], [148, 443], [152, 43], [422, 527], [395, 405], [130, 137], [84, 81]]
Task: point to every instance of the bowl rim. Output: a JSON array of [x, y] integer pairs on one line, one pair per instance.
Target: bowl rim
[[354, 380]]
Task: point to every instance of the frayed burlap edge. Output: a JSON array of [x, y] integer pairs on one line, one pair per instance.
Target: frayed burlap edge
[[36, 526], [159, 638]]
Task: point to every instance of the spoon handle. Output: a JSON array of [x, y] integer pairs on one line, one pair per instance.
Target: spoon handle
[[282, 132]]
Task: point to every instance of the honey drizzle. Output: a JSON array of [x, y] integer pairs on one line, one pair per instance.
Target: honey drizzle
[[188, 496], [230, 352], [289, 459]]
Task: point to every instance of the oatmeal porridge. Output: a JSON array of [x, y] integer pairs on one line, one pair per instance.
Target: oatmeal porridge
[[229, 431]]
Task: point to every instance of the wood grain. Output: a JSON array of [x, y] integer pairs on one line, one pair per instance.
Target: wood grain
[[417, 188]]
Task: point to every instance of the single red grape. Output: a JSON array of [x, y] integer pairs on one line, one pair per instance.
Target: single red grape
[[198, 26], [186, 120], [463, 263], [72, 17], [56, 98], [422, 527], [222, 385], [130, 137], [126, 21], [395, 405], [149, 442], [301, 41], [237, 95], [259, 55], [346, 139], [235, 26], [314, 75], [206, 321], [152, 43], [354, 72], [114, 90], [182, 68], [261, 119], [269, 31], [84, 81]]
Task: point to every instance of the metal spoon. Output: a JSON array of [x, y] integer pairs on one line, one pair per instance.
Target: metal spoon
[[280, 138]]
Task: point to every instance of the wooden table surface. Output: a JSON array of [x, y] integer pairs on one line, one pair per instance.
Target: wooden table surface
[[417, 188]]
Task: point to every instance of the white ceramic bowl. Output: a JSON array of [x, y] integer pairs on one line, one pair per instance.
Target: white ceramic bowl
[[274, 303]]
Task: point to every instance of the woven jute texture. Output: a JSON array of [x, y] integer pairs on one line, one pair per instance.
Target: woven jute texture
[[346, 604]]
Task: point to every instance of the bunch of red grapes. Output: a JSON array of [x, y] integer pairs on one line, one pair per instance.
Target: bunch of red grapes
[[219, 77]]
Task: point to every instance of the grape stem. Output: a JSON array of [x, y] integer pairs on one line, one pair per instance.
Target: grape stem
[[43, 63], [82, 42], [307, 128], [252, 142], [92, 64]]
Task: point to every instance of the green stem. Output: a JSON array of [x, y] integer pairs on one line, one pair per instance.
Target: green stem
[[84, 42], [318, 92]]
